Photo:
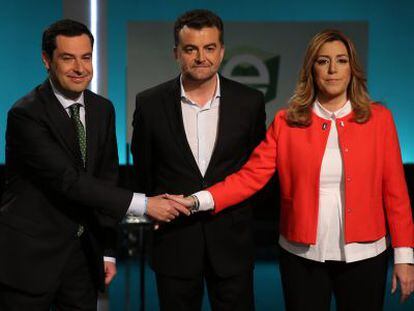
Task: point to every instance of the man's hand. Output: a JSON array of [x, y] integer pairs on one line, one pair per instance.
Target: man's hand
[[403, 274], [110, 271], [161, 209], [185, 201]]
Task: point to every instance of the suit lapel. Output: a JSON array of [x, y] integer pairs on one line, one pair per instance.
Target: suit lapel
[[92, 131], [172, 102], [59, 120], [223, 127]]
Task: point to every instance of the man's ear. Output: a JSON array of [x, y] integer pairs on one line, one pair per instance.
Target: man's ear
[[175, 51], [222, 53], [46, 60]]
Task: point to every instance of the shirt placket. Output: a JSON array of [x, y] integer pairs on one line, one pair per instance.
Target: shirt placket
[[202, 128]]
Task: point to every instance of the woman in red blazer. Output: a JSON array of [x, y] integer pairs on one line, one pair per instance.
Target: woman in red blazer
[[342, 186]]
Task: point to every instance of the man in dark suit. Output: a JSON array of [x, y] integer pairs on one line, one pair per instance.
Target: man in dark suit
[[60, 204], [190, 133]]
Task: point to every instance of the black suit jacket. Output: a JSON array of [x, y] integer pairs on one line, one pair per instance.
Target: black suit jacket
[[164, 163], [49, 193]]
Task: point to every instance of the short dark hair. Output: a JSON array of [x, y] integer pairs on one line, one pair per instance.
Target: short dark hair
[[64, 27], [198, 19]]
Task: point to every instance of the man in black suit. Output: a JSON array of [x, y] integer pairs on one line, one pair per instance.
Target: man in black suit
[[60, 205], [190, 133]]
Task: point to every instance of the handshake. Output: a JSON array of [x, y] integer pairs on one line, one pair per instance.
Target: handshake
[[166, 207]]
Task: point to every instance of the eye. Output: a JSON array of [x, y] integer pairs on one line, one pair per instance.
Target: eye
[[189, 50], [67, 58], [343, 61], [87, 57], [322, 61], [211, 49]]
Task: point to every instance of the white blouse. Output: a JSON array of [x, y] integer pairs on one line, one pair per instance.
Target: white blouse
[[330, 242]]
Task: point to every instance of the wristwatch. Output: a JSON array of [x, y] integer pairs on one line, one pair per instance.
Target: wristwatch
[[196, 204]]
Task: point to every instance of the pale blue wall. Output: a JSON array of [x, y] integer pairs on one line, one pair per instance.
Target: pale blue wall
[[390, 61], [391, 45], [22, 24]]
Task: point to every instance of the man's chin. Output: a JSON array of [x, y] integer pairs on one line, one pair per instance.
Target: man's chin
[[202, 78], [74, 91], [78, 88]]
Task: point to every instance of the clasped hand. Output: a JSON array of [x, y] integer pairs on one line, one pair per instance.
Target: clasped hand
[[166, 207]]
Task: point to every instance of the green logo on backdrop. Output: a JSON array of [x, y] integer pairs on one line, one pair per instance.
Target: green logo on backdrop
[[254, 68]]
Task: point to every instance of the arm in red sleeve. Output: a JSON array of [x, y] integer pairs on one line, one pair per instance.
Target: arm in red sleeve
[[252, 176], [396, 199]]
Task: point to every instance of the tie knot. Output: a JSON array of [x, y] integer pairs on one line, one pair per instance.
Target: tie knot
[[74, 110]]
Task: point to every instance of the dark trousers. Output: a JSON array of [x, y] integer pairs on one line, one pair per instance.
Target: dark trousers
[[357, 286], [225, 294], [75, 291]]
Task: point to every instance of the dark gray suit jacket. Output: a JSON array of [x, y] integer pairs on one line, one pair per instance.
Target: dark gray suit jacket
[[48, 192], [164, 163]]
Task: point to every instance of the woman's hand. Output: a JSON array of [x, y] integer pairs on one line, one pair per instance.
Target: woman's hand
[[188, 202], [403, 274]]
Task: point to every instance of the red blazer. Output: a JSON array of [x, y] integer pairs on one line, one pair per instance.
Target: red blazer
[[375, 188]]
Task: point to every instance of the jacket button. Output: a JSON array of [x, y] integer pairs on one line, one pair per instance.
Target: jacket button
[[80, 231], [346, 149], [348, 179], [204, 184], [349, 210]]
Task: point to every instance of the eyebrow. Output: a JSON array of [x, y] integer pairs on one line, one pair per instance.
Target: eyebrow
[[339, 55], [196, 47], [64, 54], [73, 55]]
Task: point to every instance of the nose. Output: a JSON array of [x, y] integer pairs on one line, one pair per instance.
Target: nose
[[200, 56], [332, 67], [78, 66]]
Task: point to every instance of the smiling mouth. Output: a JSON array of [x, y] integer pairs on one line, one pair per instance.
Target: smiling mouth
[[78, 79]]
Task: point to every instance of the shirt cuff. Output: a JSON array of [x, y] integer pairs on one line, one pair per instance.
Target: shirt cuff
[[206, 200], [109, 259], [138, 205], [403, 255]]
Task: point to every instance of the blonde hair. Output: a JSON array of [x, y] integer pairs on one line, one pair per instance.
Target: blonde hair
[[300, 105]]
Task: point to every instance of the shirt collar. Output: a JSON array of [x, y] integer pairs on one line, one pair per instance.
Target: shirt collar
[[210, 103], [326, 114], [64, 101]]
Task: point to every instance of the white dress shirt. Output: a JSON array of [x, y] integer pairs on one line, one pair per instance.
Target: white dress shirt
[[67, 102], [330, 243], [200, 124]]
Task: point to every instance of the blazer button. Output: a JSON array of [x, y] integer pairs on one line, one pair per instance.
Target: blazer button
[[80, 231], [349, 210], [204, 184], [346, 149]]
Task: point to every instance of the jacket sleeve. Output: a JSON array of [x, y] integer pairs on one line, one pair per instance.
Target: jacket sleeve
[[108, 171], [396, 199], [252, 176], [141, 149], [32, 144]]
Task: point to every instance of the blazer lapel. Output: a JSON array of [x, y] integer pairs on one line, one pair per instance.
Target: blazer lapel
[[172, 102], [59, 120], [225, 114], [92, 122]]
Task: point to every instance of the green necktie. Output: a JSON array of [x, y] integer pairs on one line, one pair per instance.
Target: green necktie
[[80, 130]]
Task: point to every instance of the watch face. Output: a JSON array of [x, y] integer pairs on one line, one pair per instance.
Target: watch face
[[195, 206]]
